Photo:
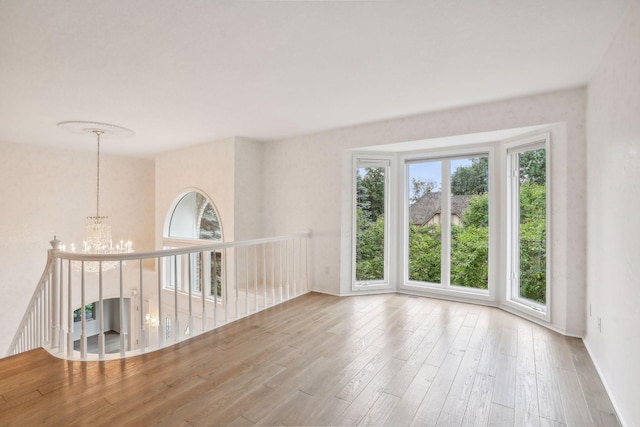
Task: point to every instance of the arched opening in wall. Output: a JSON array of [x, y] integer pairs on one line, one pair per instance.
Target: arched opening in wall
[[193, 220]]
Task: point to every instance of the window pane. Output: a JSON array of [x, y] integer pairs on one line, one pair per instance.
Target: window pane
[[370, 227], [196, 271], [209, 226], [532, 230], [195, 218], [89, 313], [215, 285], [470, 222], [425, 209]]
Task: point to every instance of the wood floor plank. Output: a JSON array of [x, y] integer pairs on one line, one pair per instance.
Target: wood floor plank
[[526, 400], [501, 416], [598, 402], [573, 401], [505, 386], [489, 361], [324, 414], [365, 400], [525, 355], [291, 412], [318, 359], [380, 410], [479, 407], [546, 422], [458, 397], [549, 399], [408, 405], [431, 406], [446, 339]]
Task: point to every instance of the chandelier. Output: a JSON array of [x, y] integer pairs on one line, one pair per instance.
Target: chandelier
[[97, 234]]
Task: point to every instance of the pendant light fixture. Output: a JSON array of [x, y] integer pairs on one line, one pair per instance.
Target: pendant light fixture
[[97, 233]]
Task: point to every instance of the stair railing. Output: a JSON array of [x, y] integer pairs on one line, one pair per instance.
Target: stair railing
[[156, 299], [35, 329]]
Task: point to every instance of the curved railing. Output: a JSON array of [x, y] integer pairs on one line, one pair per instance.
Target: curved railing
[[96, 307]]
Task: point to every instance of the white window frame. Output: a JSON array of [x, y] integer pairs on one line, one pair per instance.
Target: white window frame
[[183, 242], [512, 216], [445, 288], [362, 160], [168, 272]]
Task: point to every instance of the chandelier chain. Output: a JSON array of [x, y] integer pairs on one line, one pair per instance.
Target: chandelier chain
[[98, 179], [97, 219]]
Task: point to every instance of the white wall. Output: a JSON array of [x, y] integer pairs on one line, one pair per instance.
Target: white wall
[[303, 181], [613, 228], [248, 192], [47, 192]]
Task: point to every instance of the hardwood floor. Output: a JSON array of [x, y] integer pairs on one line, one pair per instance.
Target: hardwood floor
[[322, 360]]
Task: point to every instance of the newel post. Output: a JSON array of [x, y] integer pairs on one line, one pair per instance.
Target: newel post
[[55, 296]]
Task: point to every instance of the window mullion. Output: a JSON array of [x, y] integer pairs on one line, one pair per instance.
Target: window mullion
[[515, 225], [445, 229]]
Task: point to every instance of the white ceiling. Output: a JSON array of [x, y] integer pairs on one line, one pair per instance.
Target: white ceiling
[[188, 72]]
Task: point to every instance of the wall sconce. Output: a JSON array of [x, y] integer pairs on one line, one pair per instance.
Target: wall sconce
[[152, 321]]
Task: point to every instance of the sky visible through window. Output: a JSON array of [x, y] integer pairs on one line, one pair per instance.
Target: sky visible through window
[[431, 171]]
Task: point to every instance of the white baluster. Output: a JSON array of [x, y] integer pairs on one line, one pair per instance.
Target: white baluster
[[280, 268], [101, 338], [255, 276], [122, 325], [190, 274], [83, 320], [286, 251], [204, 273], [61, 311], [237, 281], [264, 274], [55, 303], [246, 286], [215, 286], [161, 323], [226, 289], [143, 333], [69, 312], [176, 327]]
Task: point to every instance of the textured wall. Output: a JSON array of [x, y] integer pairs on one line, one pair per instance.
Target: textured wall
[[613, 228], [248, 192], [304, 182], [47, 192]]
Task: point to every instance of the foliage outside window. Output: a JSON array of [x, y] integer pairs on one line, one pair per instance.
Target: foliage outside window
[[425, 222], [467, 226], [470, 236], [532, 225], [370, 223], [215, 284], [89, 313]]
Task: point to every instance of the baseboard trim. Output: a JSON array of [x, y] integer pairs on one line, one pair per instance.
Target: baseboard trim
[[616, 407]]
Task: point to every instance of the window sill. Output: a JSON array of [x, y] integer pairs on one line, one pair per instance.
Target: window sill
[[529, 308], [451, 291]]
